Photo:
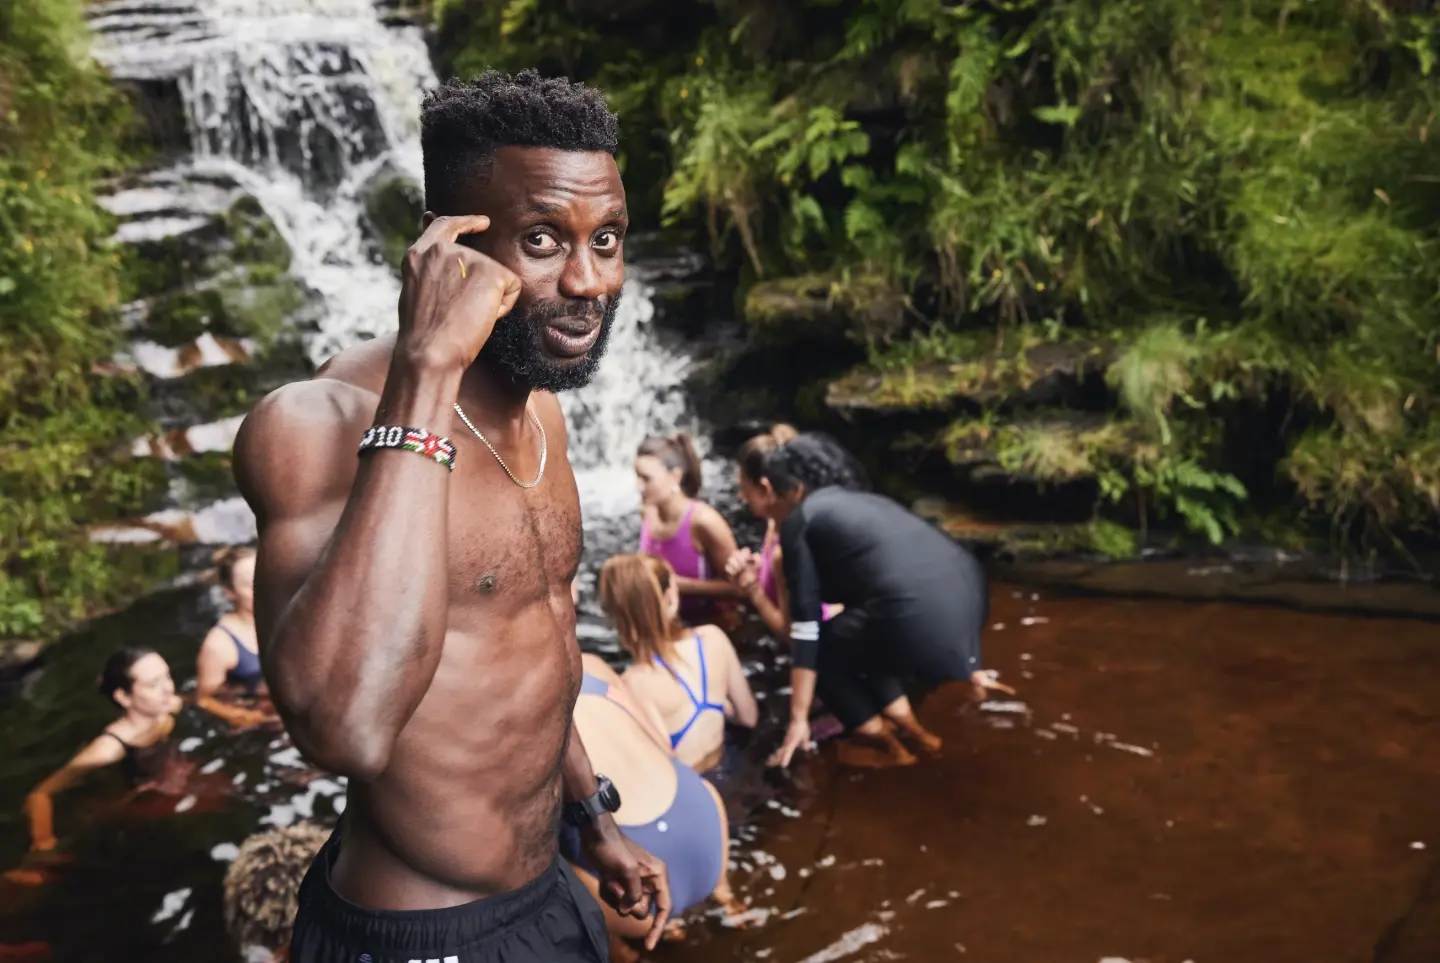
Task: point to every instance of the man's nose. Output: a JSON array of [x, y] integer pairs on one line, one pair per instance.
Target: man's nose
[[582, 276]]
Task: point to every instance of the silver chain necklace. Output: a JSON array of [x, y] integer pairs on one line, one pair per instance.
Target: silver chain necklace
[[486, 441]]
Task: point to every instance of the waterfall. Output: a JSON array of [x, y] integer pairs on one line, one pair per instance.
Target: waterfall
[[299, 103]]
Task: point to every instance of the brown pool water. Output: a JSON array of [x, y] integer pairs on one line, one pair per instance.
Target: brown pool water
[[1175, 781]]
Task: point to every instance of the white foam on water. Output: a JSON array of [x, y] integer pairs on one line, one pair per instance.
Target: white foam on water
[[851, 942], [171, 904], [224, 852]]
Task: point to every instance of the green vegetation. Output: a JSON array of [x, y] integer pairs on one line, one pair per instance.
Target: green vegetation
[[1239, 198], [63, 429]]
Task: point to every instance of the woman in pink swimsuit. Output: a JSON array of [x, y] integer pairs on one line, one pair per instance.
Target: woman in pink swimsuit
[[760, 577], [686, 532]]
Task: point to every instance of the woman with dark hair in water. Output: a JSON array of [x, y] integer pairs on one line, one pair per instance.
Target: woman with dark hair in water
[[137, 680], [229, 659], [691, 677], [761, 577], [684, 531], [915, 604]]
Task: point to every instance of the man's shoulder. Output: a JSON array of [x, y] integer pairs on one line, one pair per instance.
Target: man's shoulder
[[297, 437], [344, 391]]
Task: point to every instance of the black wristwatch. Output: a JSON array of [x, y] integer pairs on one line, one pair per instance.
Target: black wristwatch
[[606, 799]]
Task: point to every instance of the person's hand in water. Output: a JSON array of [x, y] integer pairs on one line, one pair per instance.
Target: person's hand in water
[[796, 737], [985, 680], [631, 880]]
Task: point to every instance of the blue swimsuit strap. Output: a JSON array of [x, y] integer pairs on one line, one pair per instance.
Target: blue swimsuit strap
[[244, 655], [700, 704]]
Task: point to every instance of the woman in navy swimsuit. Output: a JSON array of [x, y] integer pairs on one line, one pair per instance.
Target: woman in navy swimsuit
[[692, 677], [229, 660], [665, 806]]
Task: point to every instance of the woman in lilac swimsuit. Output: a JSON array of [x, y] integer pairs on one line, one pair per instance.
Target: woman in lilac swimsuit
[[229, 661], [687, 533]]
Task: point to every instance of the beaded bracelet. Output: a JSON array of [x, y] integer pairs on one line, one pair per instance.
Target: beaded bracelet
[[422, 442]]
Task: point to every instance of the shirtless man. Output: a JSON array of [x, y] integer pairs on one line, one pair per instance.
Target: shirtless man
[[416, 624]]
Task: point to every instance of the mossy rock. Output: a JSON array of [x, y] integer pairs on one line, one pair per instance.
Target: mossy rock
[[205, 477], [864, 308], [1026, 540], [254, 239], [393, 206], [1049, 448], [152, 268], [1046, 374], [259, 309], [244, 305], [220, 391]]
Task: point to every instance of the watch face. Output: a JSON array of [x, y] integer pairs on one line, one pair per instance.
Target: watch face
[[609, 796]]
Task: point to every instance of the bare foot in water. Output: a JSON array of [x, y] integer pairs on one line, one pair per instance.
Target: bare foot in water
[[27, 877], [873, 752], [737, 914], [920, 737]]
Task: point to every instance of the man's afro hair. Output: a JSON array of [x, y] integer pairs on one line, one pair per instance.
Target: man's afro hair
[[462, 123]]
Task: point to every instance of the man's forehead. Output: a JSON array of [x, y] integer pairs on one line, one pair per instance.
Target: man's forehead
[[545, 180]]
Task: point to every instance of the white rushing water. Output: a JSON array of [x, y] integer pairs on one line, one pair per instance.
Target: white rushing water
[[299, 103]]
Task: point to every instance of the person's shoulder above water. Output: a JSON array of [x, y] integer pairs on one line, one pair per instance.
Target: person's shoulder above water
[[321, 417]]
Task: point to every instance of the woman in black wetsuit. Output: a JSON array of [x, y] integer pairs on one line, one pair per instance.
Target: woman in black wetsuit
[[915, 604]]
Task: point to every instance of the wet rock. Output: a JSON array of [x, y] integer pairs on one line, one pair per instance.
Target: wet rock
[[209, 394], [160, 361], [1056, 447], [198, 260], [17, 656], [254, 239], [1008, 539], [244, 304], [160, 132], [863, 308], [393, 205], [1046, 374]]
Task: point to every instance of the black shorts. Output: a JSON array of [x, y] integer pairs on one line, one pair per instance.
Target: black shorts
[[551, 919], [864, 663]]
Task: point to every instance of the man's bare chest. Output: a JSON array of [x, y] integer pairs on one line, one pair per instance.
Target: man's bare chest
[[514, 546]]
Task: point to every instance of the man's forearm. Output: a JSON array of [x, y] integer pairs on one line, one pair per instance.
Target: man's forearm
[[576, 773], [579, 782]]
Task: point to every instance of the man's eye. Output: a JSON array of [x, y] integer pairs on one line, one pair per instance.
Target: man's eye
[[607, 240], [541, 241]]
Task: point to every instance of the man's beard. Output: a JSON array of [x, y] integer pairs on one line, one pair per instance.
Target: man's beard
[[516, 345]]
